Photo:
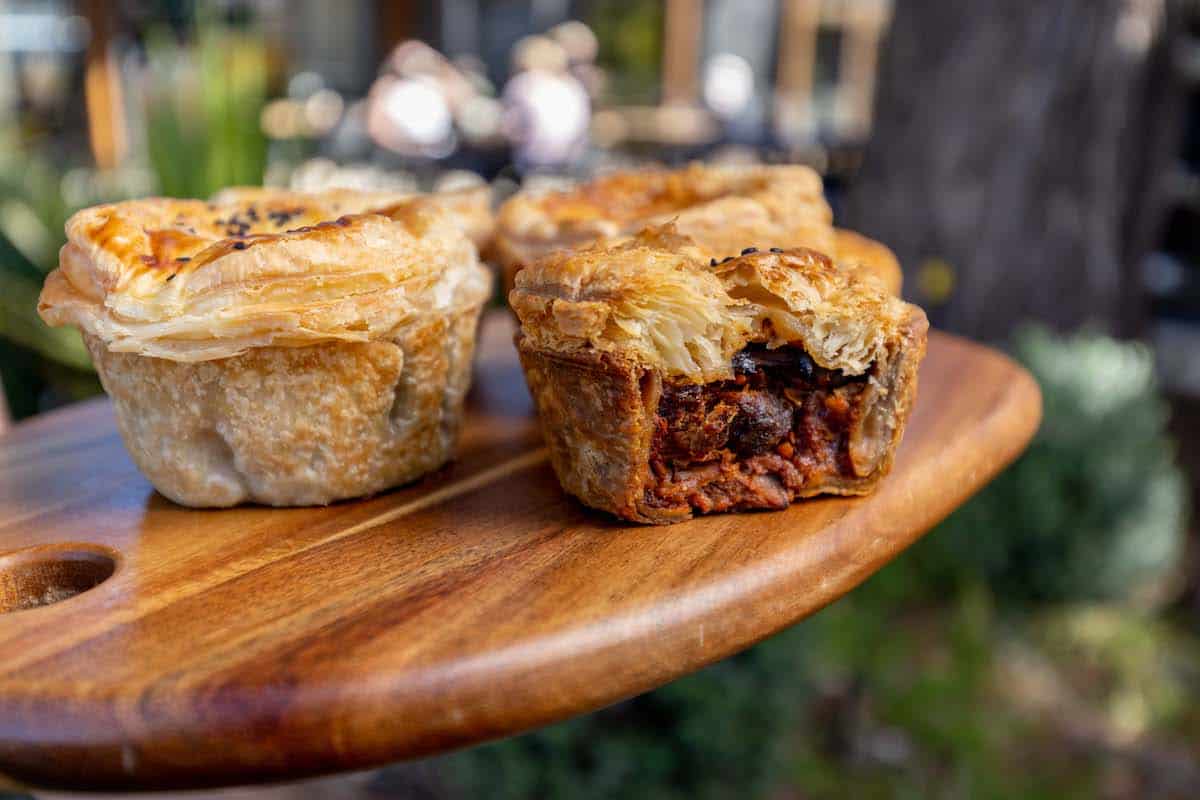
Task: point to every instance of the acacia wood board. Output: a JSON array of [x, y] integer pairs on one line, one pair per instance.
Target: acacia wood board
[[255, 644]]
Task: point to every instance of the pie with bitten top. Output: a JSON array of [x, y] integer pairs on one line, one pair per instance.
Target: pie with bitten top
[[668, 386]]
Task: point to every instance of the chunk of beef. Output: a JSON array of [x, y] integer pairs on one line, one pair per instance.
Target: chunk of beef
[[781, 425], [763, 419]]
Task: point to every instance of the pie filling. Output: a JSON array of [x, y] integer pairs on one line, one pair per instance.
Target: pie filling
[[782, 426]]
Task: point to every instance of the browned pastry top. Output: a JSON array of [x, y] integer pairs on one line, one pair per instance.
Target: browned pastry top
[[706, 202], [190, 280], [638, 195], [469, 208], [654, 300], [723, 209]]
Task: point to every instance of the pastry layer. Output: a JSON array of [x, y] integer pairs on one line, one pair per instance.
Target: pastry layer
[[655, 300], [265, 349], [469, 209], [723, 209], [192, 281], [289, 426]]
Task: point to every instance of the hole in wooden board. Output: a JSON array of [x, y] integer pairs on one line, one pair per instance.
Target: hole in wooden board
[[42, 576]]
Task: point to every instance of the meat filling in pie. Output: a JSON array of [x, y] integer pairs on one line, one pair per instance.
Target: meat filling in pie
[[780, 425]]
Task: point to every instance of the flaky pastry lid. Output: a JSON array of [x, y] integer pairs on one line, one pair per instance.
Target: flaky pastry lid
[[655, 300], [469, 208], [712, 204], [190, 281]]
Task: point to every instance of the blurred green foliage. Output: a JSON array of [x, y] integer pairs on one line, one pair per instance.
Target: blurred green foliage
[[724, 732], [20, 283], [35, 200], [1096, 508], [631, 40], [203, 102], [969, 667], [904, 704], [203, 109]]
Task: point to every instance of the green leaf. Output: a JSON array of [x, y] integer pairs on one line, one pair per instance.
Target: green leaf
[[20, 286]]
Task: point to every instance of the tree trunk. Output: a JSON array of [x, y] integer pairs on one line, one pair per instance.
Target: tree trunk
[[1018, 150]]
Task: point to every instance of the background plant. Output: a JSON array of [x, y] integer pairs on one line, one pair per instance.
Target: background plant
[[1096, 508], [192, 150], [203, 109]]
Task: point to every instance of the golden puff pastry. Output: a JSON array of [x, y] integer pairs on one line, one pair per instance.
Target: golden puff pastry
[[667, 386], [470, 208], [867, 258], [265, 349], [723, 209]]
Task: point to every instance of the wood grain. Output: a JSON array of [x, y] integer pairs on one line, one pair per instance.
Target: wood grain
[[255, 644]]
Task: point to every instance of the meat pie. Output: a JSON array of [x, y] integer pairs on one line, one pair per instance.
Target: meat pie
[[668, 386], [275, 347]]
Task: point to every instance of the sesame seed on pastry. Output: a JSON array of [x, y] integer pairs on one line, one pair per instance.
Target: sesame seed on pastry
[[469, 208]]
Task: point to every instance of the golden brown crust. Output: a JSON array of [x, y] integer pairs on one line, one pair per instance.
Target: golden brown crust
[[653, 300], [596, 416], [624, 202], [289, 426], [722, 209], [602, 328], [470, 208], [868, 258], [192, 281]]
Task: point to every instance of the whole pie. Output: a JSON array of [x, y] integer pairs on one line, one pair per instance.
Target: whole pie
[[269, 347], [667, 385], [723, 209]]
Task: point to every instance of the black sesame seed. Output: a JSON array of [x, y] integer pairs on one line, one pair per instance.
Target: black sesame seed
[[239, 245], [712, 262], [776, 249], [727, 258], [749, 250], [281, 216], [184, 258], [171, 277]]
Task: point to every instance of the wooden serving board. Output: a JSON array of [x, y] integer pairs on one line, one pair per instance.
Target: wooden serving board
[[254, 644]]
